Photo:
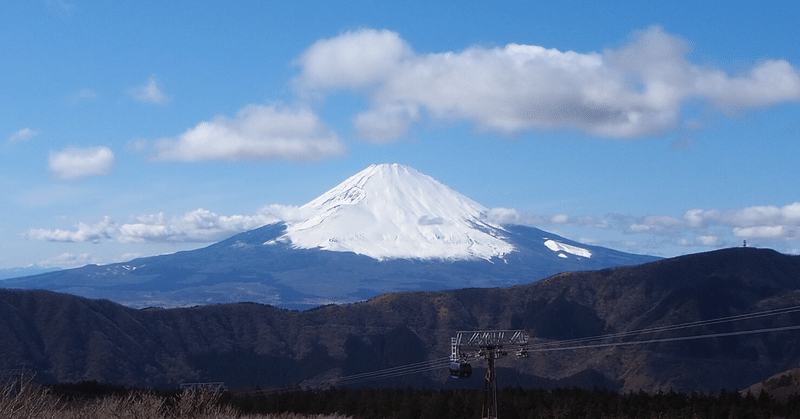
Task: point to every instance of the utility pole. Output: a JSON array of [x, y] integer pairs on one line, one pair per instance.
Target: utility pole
[[488, 345], [490, 387]]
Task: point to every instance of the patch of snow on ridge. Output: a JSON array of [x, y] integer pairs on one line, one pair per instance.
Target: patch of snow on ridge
[[393, 211], [563, 247]]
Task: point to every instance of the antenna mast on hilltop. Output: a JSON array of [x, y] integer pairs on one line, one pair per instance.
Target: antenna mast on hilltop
[[488, 345]]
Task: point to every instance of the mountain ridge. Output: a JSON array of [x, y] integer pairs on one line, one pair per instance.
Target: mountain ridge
[[388, 228], [240, 268], [67, 338]]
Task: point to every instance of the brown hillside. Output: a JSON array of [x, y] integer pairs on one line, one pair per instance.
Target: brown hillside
[[67, 338]]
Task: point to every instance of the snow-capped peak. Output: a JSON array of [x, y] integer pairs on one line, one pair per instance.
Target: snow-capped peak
[[393, 211]]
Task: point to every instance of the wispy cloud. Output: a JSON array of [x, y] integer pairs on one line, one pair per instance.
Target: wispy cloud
[[67, 259], [22, 135], [82, 96], [76, 163], [258, 132], [512, 216], [60, 8], [150, 92], [632, 92]]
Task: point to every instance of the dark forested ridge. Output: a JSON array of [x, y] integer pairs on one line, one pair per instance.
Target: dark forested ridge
[[94, 400], [519, 403], [415, 403], [68, 338]]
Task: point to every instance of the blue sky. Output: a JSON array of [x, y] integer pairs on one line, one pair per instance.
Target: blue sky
[[138, 128]]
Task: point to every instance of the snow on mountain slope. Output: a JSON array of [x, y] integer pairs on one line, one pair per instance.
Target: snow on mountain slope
[[391, 211], [562, 248]]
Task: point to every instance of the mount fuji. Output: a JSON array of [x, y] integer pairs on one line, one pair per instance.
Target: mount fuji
[[387, 228], [393, 211]]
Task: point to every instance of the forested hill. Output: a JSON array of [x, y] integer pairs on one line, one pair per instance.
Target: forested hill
[[67, 338]]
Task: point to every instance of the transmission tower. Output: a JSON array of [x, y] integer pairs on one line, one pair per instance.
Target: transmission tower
[[488, 345]]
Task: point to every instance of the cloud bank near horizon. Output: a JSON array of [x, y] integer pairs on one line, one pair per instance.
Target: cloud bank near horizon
[[197, 226], [694, 228]]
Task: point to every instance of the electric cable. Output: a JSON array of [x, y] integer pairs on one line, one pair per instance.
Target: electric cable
[[385, 374], [563, 345], [669, 339], [699, 323]]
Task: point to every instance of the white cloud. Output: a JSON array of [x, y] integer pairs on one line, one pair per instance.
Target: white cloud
[[22, 135], [640, 228], [779, 228], [256, 133], [353, 59], [512, 216], [501, 215], [84, 233], [767, 226], [709, 227], [769, 232], [387, 123], [761, 222], [708, 240], [197, 226], [635, 91], [756, 216], [150, 93], [768, 83], [697, 217], [76, 163], [657, 224]]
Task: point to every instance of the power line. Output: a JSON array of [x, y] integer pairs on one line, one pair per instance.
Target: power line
[[572, 344], [699, 323], [390, 372], [671, 339]]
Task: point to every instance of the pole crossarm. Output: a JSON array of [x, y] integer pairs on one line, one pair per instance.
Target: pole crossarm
[[492, 338], [475, 343]]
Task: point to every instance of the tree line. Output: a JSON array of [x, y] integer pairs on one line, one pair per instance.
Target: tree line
[[516, 403]]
